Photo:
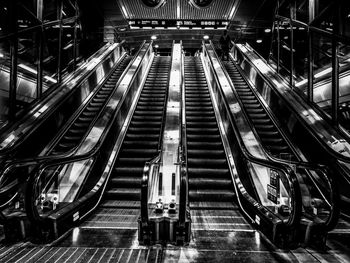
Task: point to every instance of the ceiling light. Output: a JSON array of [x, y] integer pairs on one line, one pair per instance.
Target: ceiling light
[[206, 37], [50, 79], [267, 30], [2, 55], [153, 37], [259, 41], [31, 70], [124, 12], [232, 12], [156, 46]]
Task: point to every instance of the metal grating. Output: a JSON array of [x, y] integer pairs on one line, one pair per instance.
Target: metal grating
[[219, 9], [136, 10]]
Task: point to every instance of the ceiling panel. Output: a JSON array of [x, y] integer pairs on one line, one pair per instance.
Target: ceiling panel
[[219, 9], [137, 10]]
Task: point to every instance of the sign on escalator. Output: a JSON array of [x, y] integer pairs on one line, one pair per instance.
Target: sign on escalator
[[273, 189]]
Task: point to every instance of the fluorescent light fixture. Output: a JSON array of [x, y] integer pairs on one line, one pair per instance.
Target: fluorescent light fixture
[[304, 81], [146, 27], [159, 27], [172, 27], [50, 79], [154, 37], [267, 30], [232, 12], [27, 68], [323, 72], [259, 41], [124, 12], [68, 46], [205, 37], [178, 10]]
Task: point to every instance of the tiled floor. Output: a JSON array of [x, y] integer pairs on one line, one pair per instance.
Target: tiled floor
[[242, 245]]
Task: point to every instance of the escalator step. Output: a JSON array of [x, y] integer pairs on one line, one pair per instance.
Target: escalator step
[[126, 182], [217, 195], [203, 137], [128, 171], [206, 162], [208, 172], [210, 183], [133, 194], [200, 153], [204, 145]]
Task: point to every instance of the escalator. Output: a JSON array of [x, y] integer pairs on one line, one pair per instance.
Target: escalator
[[69, 137], [27, 136], [211, 195], [77, 129], [272, 139], [121, 204]]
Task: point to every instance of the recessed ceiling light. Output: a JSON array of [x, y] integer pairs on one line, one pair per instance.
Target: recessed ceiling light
[[156, 46], [153, 37], [259, 41], [267, 30], [206, 37]]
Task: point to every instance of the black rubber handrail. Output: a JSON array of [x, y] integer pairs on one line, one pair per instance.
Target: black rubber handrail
[[183, 152], [323, 169], [35, 176], [33, 161], [296, 206], [156, 159]]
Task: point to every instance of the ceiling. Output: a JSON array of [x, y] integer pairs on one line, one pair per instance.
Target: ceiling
[[249, 19]]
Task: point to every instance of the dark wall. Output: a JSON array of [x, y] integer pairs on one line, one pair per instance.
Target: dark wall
[[92, 21]]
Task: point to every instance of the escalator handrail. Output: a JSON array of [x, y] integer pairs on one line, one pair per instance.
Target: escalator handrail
[[326, 173], [155, 160], [183, 150], [8, 150], [295, 217], [13, 164], [322, 143], [35, 176], [145, 188]]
